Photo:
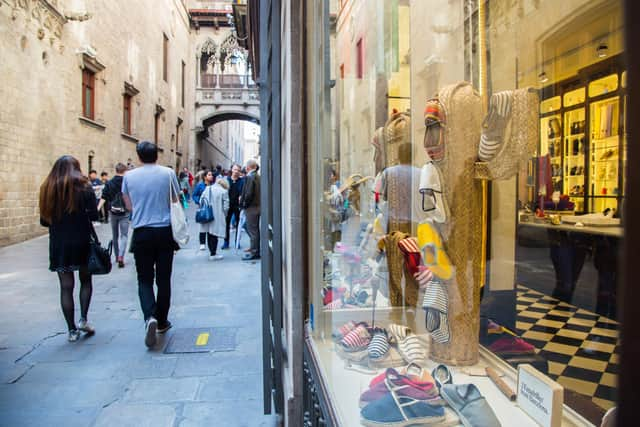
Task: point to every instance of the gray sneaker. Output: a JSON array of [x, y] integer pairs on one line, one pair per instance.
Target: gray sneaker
[[150, 334], [74, 335]]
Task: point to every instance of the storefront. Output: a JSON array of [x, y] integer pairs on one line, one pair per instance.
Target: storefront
[[465, 185]]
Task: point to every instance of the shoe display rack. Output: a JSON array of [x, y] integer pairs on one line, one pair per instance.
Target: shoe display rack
[[582, 131]]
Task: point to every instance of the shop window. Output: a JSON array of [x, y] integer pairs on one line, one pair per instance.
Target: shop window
[[88, 94], [413, 258]]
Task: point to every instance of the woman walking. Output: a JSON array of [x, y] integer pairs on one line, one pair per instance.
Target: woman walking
[[207, 180], [217, 196], [67, 206]]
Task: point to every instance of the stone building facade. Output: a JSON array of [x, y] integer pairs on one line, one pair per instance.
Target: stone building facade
[[71, 70]]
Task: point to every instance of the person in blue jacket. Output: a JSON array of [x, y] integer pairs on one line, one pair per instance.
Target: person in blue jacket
[[197, 193]]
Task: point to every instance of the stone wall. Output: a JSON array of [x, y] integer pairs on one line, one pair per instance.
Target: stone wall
[[42, 84]]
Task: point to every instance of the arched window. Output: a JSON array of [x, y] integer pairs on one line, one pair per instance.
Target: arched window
[[209, 64]]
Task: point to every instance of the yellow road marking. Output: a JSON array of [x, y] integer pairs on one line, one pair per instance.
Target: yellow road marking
[[203, 339]]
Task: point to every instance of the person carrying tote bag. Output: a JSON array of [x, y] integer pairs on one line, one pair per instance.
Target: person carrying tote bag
[[217, 196]]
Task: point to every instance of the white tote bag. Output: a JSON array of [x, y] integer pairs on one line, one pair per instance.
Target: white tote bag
[[178, 219]]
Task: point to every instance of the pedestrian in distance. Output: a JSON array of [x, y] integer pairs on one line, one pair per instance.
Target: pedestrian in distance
[[112, 197], [235, 190], [217, 196], [147, 192], [67, 208], [197, 194], [250, 203], [103, 211]]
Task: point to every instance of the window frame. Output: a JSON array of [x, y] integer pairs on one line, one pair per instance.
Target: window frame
[[126, 113], [165, 57], [88, 84]]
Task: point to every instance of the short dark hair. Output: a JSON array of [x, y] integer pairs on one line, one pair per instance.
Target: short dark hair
[[93, 171], [103, 173], [120, 167], [147, 152]]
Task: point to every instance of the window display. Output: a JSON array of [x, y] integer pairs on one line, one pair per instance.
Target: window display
[[469, 211]]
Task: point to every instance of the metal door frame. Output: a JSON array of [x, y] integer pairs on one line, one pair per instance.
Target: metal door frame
[[271, 205]]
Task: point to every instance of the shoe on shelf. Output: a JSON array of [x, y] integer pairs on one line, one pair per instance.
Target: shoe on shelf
[[249, 257], [248, 250], [150, 332], [218, 257], [74, 335], [202, 247], [85, 327], [164, 327]]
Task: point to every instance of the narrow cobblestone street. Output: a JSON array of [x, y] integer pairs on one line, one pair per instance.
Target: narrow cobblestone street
[[111, 379]]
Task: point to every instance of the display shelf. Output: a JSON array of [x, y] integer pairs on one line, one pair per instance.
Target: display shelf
[[345, 382]]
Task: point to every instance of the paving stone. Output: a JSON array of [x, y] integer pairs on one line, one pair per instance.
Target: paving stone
[[83, 417], [199, 414], [245, 387], [162, 390], [125, 415]]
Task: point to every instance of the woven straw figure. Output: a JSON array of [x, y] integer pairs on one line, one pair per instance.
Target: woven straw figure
[[463, 233], [396, 267], [513, 143], [397, 131]]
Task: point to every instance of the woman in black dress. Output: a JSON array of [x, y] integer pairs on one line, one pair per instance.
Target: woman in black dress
[[67, 207]]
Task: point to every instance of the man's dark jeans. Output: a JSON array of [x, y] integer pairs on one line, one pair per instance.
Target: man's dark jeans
[[153, 249], [233, 210]]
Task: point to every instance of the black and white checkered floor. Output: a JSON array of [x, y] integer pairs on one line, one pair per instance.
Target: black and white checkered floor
[[581, 347]]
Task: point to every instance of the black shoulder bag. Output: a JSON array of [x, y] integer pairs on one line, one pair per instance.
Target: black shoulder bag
[[99, 260]]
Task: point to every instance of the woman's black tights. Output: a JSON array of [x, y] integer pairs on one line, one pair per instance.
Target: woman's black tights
[[67, 282]]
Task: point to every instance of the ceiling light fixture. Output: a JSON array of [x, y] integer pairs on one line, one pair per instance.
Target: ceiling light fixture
[[542, 77], [602, 50]]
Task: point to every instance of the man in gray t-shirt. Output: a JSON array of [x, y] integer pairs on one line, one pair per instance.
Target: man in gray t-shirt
[[147, 194], [148, 190]]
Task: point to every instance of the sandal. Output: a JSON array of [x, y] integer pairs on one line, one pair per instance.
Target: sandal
[[408, 385], [409, 346], [356, 340], [379, 345], [442, 375], [396, 409], [343, 330]]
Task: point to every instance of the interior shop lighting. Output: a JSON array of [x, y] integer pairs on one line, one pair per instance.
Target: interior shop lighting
[[602, 50], [542, 77]]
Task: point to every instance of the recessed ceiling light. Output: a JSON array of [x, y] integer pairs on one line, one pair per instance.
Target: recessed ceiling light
[[602, 50], [542, 77]]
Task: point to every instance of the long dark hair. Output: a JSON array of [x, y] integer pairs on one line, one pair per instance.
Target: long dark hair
[[58, 193]]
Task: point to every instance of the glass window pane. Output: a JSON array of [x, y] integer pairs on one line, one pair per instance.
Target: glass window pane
[[551, 104], [574, 97], [603, 86], [420, 123]]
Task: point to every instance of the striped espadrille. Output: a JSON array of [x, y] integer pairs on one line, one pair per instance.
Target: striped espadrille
[[379, 345], [495, 124], [436, 303]]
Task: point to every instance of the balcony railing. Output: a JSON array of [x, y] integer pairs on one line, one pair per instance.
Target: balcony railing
[[212, 81], [228, 95]]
